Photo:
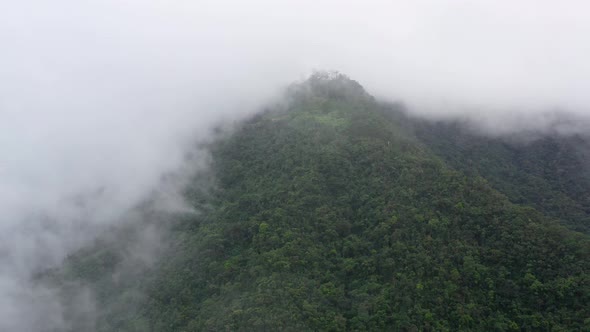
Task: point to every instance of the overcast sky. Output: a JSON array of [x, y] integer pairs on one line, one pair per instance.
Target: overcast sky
[[100, 97]]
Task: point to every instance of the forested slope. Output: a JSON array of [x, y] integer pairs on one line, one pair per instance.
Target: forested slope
[[331, 215], [549, 172]]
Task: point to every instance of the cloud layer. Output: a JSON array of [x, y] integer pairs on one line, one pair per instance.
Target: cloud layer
[[99, 99]]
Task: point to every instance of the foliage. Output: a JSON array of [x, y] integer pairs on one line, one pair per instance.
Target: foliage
[[550, 173], [332, 215]]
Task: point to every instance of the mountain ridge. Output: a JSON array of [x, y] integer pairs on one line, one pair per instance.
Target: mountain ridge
[[337, 213]]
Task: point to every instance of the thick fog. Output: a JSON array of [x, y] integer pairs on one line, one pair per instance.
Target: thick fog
[[100, 98]]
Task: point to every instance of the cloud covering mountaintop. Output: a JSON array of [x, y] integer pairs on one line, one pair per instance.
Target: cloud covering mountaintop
[[99, 99]]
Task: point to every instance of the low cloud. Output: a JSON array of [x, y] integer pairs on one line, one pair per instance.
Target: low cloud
[[100, 99]]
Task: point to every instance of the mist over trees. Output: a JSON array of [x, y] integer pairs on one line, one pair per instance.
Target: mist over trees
[[338, 212], [109, 108]]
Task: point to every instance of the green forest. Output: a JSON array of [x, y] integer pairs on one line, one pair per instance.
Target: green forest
[[337, 212]]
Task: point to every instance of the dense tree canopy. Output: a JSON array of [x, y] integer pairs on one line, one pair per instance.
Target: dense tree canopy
[[335, 215]]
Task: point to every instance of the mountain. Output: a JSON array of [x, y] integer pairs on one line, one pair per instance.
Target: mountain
[[549, 172], [337, 212]]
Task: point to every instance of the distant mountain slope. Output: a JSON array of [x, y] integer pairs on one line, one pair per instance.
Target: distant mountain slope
[[331, 215], [551, 173]]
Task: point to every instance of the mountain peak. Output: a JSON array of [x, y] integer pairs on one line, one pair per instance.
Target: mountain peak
[[329, 84], [328, 75]]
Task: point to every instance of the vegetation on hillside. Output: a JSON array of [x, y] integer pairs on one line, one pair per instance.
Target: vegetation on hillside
[[331, 215], [550, 173]]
